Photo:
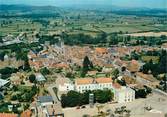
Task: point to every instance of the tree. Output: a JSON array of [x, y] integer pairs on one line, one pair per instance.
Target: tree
[[148, 66], [113, 39], [27, 66], [7, 71], [122, 82], [85, 97], [32, 78], [163, 62], [156, 68], [140, 93], [44, 71], [72, 99], [115, 73], [87, 65], [123, 69], [134, 55], [103, 96]]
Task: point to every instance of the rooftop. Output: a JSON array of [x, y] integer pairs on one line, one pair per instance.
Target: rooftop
[[83, 81], [44, 99], [101, 50], [8, 115], [3, 82], [40, 77], [26, 113]]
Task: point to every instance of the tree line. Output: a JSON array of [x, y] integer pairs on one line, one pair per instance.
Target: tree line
[[73, 98]]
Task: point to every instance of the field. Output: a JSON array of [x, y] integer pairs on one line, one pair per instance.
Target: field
[[148, 34], [84, 22], [148, 58], [15, 26]]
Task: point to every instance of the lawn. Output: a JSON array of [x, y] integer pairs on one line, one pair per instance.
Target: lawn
[[148, 58]]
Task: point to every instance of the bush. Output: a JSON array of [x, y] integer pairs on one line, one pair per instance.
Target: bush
[[32, 78]]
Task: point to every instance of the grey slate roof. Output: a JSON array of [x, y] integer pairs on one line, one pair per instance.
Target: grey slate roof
[[44, 99]]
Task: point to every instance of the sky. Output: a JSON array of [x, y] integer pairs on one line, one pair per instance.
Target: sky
[[125, 3]]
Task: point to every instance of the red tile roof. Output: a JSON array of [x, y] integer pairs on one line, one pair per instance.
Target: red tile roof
[[8, 115], [26, 113], [83, 81], [101, 50]]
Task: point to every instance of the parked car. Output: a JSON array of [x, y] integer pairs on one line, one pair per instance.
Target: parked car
[[83, 106], [78, 107]]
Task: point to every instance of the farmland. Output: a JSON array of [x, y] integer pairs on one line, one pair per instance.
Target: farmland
[[87, 22], [148, 34]]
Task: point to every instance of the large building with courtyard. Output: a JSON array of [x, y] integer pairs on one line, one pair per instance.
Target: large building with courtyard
[[121, 93]]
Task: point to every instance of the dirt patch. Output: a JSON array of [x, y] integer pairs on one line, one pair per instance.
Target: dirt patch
[[148, 34]]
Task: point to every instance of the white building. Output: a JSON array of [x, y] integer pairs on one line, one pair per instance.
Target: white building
[[124, 95], [66, 87], [121, 94], [84, 84]]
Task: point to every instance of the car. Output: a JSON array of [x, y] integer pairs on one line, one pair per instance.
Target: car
[[83, 106], [78, 107]]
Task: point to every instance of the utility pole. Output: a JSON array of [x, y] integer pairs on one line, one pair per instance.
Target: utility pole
[[166, 75], [166, 81]]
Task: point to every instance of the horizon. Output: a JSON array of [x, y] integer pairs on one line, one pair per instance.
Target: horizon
[[66, 3]]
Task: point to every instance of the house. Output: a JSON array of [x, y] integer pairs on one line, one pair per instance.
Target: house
[[8, 115], [36, 64], [66, 87], [124, 94], [59, 66], [107, 69], [101, 50], [26, 113], [92, 73], [133, 66], [40, 78], [45, 100]]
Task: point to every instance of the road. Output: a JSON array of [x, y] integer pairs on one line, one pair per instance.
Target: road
[[58, 107]]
